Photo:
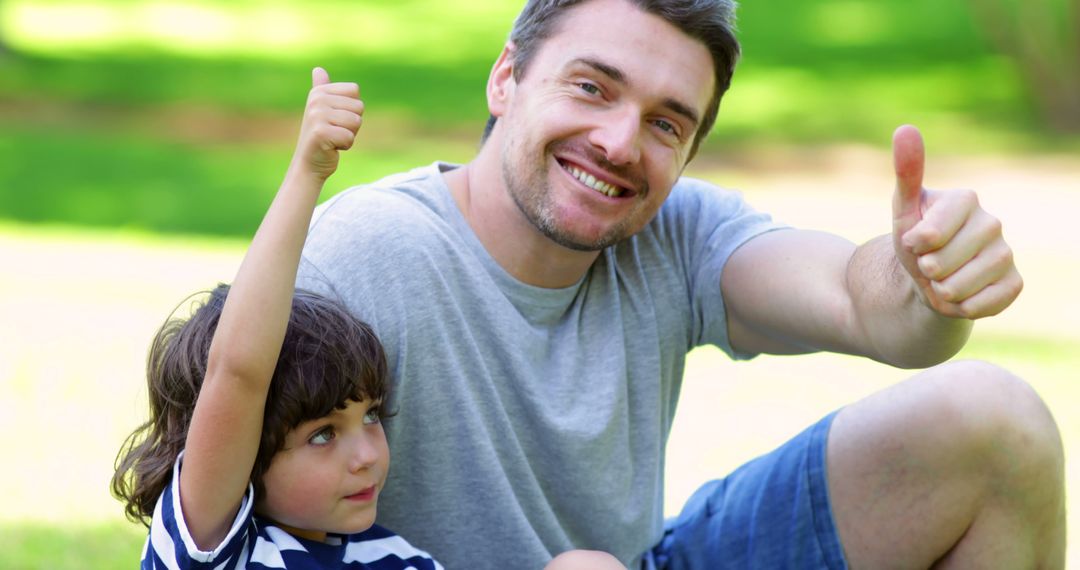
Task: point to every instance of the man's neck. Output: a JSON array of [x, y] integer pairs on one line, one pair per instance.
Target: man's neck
[[511, 239]]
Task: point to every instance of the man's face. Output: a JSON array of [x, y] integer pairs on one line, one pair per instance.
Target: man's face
[[602, 123]]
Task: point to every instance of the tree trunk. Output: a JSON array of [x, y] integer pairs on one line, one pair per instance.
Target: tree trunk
[[1043, 38], [4, 50]]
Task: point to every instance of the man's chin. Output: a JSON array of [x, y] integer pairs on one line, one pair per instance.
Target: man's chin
[[581, 243]]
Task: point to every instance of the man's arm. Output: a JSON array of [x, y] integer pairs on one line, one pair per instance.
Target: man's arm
[[906, 299]]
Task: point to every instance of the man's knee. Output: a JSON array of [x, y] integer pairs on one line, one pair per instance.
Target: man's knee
[[962, 446], [997, 416], [970, 420]]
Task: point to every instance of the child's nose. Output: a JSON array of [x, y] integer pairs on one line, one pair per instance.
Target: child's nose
[[365, 452]]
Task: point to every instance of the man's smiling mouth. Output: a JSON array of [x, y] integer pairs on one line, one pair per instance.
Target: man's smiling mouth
[[591, 181]]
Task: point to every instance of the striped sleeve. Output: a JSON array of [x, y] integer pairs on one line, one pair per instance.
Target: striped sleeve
[[170, 545]]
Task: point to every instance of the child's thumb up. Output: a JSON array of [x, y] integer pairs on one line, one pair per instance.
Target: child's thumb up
[[319, 76]]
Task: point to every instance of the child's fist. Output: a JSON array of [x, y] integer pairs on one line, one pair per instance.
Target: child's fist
[[333, 115]]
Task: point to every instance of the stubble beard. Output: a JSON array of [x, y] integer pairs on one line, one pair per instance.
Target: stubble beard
[[532, 195]]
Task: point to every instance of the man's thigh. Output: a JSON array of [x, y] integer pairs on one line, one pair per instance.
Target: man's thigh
[[773, 512]]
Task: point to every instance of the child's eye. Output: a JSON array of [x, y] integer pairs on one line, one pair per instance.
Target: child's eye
[[323, 436], [373, 415]]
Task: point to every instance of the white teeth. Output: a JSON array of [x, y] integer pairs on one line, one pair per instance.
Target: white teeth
[[591, 181]]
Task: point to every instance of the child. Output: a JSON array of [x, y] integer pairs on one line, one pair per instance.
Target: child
[[264, 446]]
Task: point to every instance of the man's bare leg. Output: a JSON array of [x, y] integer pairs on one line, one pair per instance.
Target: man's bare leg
[[960, 466]]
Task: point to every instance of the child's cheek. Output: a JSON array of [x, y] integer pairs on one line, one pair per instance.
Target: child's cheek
[[297, 494]]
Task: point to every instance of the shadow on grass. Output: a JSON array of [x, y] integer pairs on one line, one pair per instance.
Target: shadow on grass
[[125, 180], [84, 141], [436, 93], [119, 181]]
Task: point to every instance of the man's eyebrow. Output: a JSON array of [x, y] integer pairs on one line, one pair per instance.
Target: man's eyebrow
[[683, 110], [615, 74]]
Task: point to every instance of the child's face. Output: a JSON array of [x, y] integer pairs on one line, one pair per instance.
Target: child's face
[[328, 476]]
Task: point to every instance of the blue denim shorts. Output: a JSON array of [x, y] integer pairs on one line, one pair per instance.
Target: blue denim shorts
[[772, 513]]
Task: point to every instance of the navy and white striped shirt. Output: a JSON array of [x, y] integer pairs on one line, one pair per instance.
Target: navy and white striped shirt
[[254, 543]]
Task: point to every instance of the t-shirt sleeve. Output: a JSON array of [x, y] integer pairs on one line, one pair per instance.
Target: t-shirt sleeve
[[170, 544], [717, 222]]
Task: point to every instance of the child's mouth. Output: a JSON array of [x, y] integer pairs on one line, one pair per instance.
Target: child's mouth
[[364, 495]]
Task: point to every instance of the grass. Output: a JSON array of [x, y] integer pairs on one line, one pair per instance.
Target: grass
[[125, 179], [112, 120], [889, 58], [41, 547]]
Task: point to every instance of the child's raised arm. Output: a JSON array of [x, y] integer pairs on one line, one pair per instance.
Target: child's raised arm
[[223, 439]]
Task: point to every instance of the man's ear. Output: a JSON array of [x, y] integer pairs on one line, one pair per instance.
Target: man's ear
[[500, 86]]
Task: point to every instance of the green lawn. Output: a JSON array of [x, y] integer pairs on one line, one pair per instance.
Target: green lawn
[[105, 546], [115, 124]]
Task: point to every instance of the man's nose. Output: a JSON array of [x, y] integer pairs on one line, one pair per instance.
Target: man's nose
[[618, 136]]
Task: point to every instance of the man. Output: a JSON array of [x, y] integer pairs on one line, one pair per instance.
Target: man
[[538, 302]]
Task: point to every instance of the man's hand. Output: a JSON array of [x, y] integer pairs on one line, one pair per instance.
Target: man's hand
[[333, 115], [951, 247]]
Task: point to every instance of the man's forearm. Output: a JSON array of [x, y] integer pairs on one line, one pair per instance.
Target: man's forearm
[[898, 327]]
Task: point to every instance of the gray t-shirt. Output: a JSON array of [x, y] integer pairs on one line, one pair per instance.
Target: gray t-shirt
[[530, 421]]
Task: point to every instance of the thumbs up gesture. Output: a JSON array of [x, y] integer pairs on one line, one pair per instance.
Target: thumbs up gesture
[[951, 247], [333, 115]]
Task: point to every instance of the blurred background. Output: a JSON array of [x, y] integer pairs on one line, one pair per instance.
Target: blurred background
[[141, 141]]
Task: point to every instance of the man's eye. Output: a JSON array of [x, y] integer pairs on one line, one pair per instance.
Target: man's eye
[[373, 416], [666, 126], [589, 88], [323, 436]]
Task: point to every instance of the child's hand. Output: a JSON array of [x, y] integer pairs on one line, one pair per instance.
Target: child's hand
[[333, 115]]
